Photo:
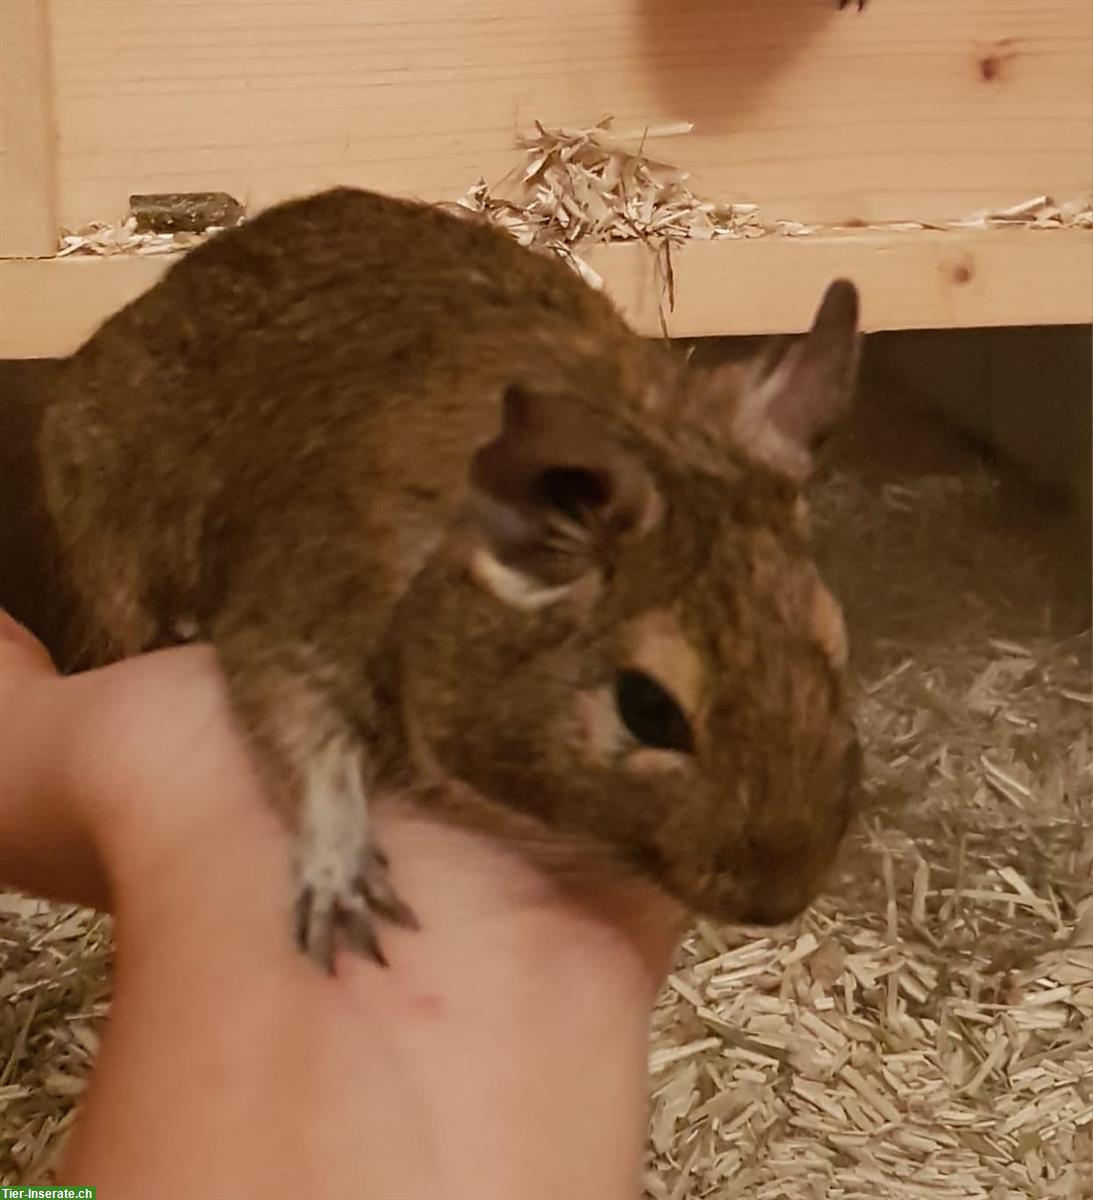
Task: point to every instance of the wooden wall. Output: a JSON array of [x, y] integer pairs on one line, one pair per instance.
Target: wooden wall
[[917, 110]]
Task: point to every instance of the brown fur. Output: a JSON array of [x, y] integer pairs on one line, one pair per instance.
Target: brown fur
[[297, 441]]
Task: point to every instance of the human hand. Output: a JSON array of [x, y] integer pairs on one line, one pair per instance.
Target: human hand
[[502, 1055]]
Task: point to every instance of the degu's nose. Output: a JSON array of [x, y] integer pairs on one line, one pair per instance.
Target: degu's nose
[[779, 884]]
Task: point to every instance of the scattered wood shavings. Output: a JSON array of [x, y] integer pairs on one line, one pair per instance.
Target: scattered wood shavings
[[1039, 213], [55, 980], [105, 239], [583, 186]]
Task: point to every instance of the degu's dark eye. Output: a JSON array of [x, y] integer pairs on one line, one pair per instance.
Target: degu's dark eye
[[651, 714]]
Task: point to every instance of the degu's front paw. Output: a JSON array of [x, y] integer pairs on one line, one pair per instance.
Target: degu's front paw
[[343, 884], [338, 894]]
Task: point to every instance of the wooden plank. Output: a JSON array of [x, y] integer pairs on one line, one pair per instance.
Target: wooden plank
[[909, 280], [767, 285], [913, 109], [48, 307], [28, 186]]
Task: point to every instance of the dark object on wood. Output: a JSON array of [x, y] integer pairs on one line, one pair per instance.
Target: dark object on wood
[[185, 212]]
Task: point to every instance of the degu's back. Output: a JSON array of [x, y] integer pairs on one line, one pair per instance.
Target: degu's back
[[340, 355], [453, 527]]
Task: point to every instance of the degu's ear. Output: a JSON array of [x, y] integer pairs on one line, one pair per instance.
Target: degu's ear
[[784, 407], [792, 406], [550, 497]]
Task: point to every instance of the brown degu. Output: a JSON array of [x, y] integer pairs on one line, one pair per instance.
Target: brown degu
[[455, 530]]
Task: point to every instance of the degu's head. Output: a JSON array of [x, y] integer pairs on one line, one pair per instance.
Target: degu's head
[[626, 636]]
